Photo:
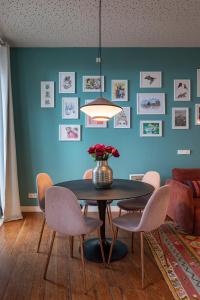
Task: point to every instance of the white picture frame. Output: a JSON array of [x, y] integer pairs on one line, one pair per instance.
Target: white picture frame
[[67, 83], [47, 94], [137, 177], [182, 90], [123, 119], [150, 79], [69, 132], [70, 108], [89, 123], [150, 103], [119, 90], [93, 84], [198, 82], [150, 128], [180, 118], [197, 114]]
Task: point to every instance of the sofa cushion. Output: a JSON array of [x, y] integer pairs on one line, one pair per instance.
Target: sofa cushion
[[181, 174], [195, 186]]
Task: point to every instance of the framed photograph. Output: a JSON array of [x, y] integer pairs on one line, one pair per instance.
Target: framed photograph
[[69, 132], [198, 82], [93, 83], [137, 177], [70, 108], [181, 90], [150, 79], [119, 90], [150, 103], [180, 118], [151, 128], [197, 114], [89, 123], [47, 94], [122, 119], [67, 82]]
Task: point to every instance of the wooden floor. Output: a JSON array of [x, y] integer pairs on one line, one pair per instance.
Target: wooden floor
[[21, 269]]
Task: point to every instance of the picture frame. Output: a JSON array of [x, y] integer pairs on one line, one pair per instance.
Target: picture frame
[[70, 108], [89, 123], [93, 84], [182, 90], [198, 82], [67, 83], [150, 79], [137, 177], [119, 90], [122, 119], [197, 114], [180, 118], [150, 103], [150, 128], [47, 94], [69, 132]]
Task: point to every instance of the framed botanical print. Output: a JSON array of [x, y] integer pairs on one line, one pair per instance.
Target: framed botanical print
[[47, 94], [119, 90], [70, 108], [67, 82], [93, 83]]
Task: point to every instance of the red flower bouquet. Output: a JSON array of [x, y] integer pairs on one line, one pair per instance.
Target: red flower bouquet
[[102, 152]]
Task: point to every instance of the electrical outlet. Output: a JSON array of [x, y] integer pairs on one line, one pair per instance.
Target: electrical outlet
[[184, 152], [32, 195]]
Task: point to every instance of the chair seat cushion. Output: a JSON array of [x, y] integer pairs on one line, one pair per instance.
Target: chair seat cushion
[[128, 221], [94, 203], [133, 204], [92, 223]]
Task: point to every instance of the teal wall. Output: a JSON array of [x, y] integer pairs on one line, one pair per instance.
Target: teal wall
[[38, 147]]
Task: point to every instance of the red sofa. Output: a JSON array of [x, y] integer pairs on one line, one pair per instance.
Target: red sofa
[[183, 208]]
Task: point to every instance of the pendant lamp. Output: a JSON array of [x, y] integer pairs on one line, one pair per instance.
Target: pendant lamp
[[100, 109]]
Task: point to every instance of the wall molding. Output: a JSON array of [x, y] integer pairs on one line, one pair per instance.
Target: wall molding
[[36, 208]]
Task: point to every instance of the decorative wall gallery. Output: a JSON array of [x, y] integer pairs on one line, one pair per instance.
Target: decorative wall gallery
[[147, 103]]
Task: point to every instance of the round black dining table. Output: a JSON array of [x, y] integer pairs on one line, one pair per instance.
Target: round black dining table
[[120, 189]]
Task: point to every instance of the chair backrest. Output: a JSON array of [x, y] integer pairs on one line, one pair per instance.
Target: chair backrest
[[153, 178], [43, 182], [156, 209], [182, 174], [87, 174], [63, 212]]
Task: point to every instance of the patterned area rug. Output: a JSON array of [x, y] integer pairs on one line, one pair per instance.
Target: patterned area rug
[[182, 271]]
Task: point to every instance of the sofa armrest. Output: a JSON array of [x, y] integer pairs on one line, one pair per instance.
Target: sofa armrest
[[181, 205]]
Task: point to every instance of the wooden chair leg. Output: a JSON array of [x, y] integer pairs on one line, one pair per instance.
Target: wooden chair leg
[[101, 246], [109, 212], [132, 242], [83, 262], [120, 212], [112, 244], [161, 245], [71, 245], [41, 233], [85, 210], [49, 254], [142, 256]]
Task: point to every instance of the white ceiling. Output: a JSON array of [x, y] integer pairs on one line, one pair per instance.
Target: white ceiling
[[125, 23]]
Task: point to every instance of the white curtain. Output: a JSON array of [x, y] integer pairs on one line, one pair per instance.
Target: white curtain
[[9, 191]]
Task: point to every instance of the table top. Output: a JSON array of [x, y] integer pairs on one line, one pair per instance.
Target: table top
[[120, 189]]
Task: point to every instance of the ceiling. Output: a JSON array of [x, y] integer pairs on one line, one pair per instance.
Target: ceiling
[[125, 23]]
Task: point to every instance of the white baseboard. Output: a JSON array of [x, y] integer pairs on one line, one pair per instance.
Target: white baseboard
[[37, 208]]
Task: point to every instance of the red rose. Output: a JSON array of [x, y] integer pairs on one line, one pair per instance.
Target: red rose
[[109, 149], [115, 153], [100, 147], [99, 153], [91, 150]]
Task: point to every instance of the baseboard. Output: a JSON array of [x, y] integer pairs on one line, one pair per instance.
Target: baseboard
[[37, 208]]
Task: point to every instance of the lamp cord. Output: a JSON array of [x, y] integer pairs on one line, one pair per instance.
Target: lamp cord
[[100, 50]]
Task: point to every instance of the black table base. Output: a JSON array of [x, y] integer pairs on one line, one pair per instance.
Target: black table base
[[92, 250]]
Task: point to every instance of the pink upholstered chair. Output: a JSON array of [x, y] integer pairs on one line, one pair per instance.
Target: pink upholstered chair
[[43, 182], [63, 214], [152, 218], [88, 175]]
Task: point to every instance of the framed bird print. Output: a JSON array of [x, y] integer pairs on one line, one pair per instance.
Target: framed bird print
[[181, 90], [150, 79]]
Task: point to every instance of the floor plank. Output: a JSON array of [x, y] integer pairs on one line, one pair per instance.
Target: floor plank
[[21, 270]]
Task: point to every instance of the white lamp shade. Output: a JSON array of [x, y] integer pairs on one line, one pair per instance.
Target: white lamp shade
[[101, 109]]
